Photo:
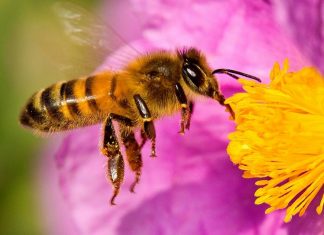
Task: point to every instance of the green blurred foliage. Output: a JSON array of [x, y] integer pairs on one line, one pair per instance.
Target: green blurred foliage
[[31, 44]]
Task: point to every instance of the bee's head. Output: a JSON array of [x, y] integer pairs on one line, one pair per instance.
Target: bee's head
[[200, 78], [197, 74]]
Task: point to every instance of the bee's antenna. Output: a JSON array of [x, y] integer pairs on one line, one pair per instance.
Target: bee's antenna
[[232, 73]]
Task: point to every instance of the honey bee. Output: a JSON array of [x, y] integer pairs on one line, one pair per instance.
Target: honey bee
[[151, 86]]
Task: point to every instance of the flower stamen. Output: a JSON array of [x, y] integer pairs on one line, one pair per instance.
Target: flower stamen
[[279, 138]]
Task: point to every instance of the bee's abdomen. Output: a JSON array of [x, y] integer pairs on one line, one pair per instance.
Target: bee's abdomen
[[62, 106]]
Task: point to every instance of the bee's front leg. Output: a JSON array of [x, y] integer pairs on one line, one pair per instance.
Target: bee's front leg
[[149, 128], [186, 110], [221, 100], [188, 120], [111, 149]]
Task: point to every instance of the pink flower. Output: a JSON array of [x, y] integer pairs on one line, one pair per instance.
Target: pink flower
[[191, 187]]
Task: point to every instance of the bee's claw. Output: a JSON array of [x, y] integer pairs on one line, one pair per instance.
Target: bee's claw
[[112, 200], [132, 188]]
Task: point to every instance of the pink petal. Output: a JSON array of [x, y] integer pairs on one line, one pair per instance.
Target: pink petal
[[56, 218], [304, 22]]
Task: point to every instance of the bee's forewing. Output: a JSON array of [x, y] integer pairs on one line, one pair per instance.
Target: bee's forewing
[[87, 30]]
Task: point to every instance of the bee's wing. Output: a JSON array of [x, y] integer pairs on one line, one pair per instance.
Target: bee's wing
[[85, 29]]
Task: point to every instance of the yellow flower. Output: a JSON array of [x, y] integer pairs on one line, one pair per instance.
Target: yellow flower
[[279, 138]]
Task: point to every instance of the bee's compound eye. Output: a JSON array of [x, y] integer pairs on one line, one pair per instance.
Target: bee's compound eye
[[193, 74]]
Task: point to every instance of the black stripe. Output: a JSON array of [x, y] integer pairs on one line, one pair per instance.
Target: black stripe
[[26, 120], [37, 115], [62, 90], [88, 92], [51, 104], [70, 98]]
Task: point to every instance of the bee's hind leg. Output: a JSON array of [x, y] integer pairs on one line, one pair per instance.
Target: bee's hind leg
[[133, 152], [111, 149]]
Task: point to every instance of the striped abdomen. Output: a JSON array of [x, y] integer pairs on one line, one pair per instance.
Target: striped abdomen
[[67, 105]]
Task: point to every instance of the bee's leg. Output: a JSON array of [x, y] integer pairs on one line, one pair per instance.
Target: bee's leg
[[191, 108], [133, 152], [186, 109], [221, 100], [144, 138], [149, 128], [111, 149]]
